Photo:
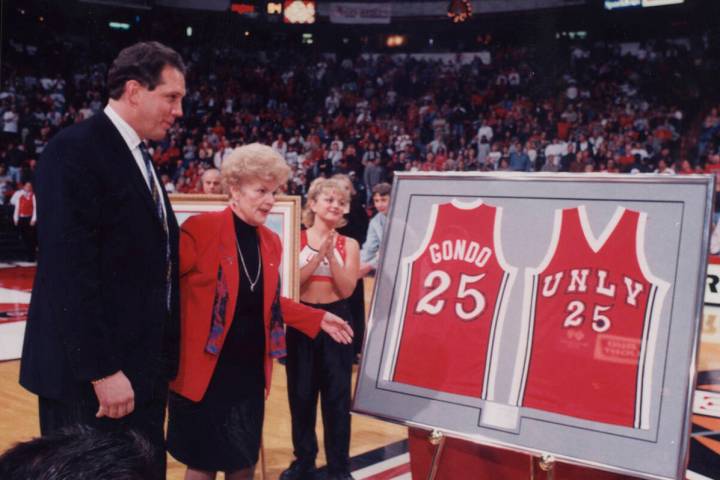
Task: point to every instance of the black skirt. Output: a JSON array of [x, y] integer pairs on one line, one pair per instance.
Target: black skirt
[[222, 432], [216, 434]]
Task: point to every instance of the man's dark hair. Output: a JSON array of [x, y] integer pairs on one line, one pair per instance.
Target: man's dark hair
[[382, 189], [80, 453], [143, 62]]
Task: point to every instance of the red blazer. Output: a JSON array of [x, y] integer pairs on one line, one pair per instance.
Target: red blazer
[[207, 242]]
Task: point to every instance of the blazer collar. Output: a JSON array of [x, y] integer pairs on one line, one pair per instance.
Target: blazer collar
[[227, 248]]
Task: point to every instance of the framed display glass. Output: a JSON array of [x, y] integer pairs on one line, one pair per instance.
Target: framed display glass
[[284, 219], [547, 313]]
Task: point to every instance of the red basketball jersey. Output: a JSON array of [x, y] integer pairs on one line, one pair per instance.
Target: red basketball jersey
[[453, 294], [592, 308]]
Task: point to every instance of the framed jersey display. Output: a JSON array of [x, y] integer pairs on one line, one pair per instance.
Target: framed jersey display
[[284, 219], [547, 313]]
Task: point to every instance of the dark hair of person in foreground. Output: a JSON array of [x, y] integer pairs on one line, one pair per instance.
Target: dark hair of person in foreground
[[80, 453]]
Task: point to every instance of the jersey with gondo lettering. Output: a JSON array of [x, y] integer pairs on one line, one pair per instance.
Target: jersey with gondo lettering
[[592, 309], [454, 293]]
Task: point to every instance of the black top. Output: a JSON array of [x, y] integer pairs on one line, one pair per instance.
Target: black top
[[240, 368], [357, 221]]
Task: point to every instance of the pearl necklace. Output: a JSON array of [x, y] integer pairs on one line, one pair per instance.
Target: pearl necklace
[[247, 274]]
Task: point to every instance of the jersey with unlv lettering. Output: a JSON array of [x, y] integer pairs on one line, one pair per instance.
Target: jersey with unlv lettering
[[592, 310], [454, 292]]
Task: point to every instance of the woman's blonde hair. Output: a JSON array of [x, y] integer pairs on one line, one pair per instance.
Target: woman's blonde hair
[[345, 178], [253, 161], [318, 186]]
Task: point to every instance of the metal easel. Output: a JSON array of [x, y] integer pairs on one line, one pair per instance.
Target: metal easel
[[546, 462]]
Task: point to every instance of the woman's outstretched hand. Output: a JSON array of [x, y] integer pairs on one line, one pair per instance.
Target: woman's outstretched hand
[[337, 328]]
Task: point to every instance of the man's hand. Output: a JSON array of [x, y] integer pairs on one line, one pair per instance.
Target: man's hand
[[337, 328], [115, 396]]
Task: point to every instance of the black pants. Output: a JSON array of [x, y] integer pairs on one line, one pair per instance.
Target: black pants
[[357, 309], [320, 366], [147, 419], [28, 237]]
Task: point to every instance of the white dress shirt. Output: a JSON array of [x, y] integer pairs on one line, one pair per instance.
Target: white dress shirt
[[133, 142]]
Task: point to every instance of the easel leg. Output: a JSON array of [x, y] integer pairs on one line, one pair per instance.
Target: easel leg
[[438, 439], [532, 467]]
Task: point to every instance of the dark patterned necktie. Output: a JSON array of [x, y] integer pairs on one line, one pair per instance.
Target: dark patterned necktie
[[158, 200]]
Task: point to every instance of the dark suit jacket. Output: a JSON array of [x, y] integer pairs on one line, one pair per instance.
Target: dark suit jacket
[[98, 303]]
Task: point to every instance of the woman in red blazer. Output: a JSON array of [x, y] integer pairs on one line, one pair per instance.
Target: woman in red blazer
[[232, 319]]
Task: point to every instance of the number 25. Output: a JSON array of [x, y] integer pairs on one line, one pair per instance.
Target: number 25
[[426, 305], [576, 308]]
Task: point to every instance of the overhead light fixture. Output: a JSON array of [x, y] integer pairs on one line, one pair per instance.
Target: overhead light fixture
[[299, 11], [394, 41], [459, 10], [274, 8], [119, 26]]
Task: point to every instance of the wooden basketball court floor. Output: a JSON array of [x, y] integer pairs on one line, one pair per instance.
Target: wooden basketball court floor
[[19, 419], [19, 422]]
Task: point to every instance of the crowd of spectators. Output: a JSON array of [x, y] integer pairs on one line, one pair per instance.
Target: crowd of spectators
[[608, 108]]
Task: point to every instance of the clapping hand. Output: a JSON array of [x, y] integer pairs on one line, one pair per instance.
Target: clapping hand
[[327, 246]]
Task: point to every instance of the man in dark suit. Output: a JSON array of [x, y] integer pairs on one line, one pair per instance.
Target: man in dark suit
[[102, 340]]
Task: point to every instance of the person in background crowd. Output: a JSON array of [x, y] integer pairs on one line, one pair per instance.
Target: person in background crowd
[[211, 181], [25, 217], [328, 274], [376, 230], [101, 341], [5, 185], [10, 119], [15, 158], [280, 146], [232, 322], [167, 183], [374, 173]]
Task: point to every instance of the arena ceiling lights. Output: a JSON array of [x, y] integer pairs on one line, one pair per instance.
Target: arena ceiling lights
[[658, 3], [459, 10], [274, 8], [619, 4], [299, 11], [394, 41]]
